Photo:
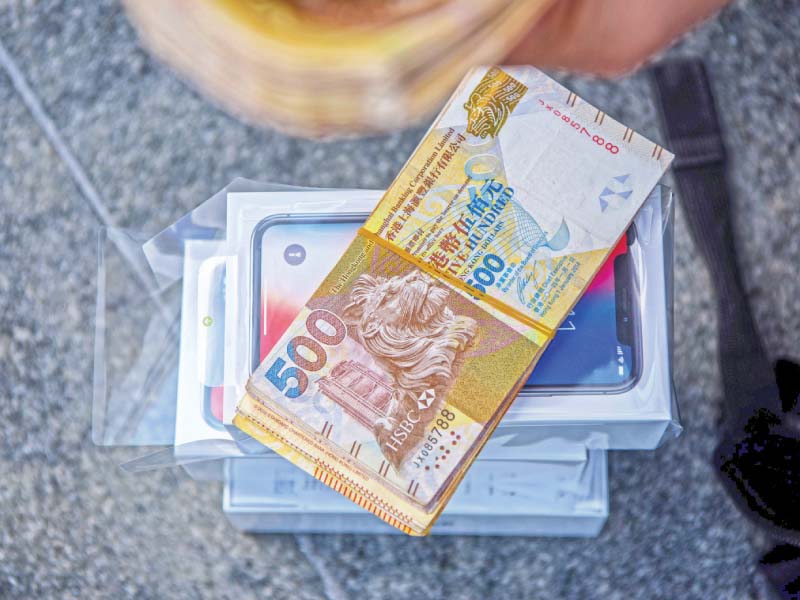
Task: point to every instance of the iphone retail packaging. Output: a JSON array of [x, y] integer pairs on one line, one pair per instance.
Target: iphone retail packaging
[[543, 498], [604, 381]]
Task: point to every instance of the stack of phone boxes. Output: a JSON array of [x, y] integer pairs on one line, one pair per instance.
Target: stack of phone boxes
[[604, 382]]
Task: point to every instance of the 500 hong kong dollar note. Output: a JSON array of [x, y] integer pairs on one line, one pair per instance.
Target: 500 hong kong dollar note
[[397, 370]]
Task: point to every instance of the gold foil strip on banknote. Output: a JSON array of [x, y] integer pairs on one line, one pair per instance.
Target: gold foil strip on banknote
[[400, 366]]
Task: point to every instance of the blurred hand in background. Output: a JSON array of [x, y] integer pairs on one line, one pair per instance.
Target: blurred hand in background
[[608, 37]]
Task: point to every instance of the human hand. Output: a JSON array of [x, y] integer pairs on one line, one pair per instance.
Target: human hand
[[607, 37]]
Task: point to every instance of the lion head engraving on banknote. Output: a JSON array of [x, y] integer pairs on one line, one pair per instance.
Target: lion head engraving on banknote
[[405, 324], [491, 102]]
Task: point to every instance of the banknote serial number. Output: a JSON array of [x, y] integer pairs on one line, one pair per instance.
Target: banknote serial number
[[577, 126], [441, 425], [314, 356]]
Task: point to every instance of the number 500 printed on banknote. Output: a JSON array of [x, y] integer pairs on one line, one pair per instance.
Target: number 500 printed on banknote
[[401, 364]]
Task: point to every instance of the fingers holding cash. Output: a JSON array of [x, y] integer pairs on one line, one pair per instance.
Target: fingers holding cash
[[327, 68]]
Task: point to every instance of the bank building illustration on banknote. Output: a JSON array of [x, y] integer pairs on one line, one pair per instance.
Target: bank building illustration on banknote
[[415, 340]]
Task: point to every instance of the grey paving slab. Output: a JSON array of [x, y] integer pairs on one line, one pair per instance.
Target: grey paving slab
[[72, 524]]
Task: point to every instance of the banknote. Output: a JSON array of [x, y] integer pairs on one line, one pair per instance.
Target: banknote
[[397, 370], [523, 219]]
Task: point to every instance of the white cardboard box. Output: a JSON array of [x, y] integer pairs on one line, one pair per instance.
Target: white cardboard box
[[519, 498]]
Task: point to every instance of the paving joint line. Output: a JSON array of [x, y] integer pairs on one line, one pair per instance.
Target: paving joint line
[[331, 587], [43, 120], [70, 161]]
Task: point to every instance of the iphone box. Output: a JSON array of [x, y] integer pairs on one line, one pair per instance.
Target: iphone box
[[555, 497], [604, 382]]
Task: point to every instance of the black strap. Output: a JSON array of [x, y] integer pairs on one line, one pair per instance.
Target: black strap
[[694, 135], [759, 453]]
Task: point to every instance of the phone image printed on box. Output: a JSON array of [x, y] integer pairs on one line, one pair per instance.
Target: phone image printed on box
[[597, 346], [595, 350]]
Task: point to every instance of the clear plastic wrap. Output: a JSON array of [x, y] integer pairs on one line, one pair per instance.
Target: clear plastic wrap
[[183, 318], [164, 252], [139, 333], [136, 351]]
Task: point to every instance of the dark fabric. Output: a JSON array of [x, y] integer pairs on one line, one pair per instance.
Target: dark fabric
[[761, 469], [781, 565], [759, 452], [787, 375], [693, 134]]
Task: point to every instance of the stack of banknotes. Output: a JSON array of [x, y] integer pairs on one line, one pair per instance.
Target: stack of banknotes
[[329, 67], [399, 367]]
